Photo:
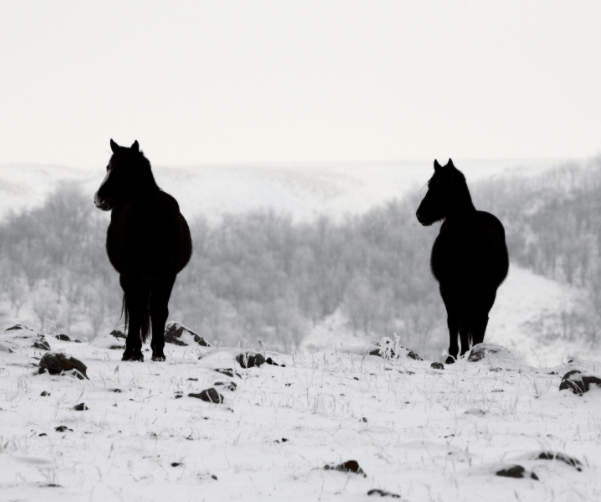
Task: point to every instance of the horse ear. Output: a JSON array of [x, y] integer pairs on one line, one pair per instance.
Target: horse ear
[[136, 146], [114, 146], [450, 163], [437, 166]]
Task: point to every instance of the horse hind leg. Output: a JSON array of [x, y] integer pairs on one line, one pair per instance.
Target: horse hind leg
[[159, 311], [135, 295]]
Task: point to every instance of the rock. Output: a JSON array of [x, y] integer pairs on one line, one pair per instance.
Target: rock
[[437, 366], [348, 466], [57, 363], [488, 351], [62, 428], [476, 412], [387, 348], [515, 471], [269, 360], [227, 385], [44, 393], [17, 326], [178, 334], [80, 407], [41, 343], [562, 457], [228, 372], [578, 382], [382, 493], [249, 359], [63, 337], [117, 333], [209, 395]]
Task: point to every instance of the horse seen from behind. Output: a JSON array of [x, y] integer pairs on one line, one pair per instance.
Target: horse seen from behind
[[148, 242], [469, 257]]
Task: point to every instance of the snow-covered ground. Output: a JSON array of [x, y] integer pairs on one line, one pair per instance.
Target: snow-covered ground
[[424, 434], [303, 191]]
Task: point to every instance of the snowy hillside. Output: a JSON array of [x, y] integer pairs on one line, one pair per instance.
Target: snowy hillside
[[302, 191], [138, 431]]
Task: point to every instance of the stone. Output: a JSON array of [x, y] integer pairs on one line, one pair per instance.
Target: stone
[[382, 493], [515, 471], [41, 343], [228, 372], [387, 348], [562, 457], [437, 366], [178, 334], [63, 337], [209, 395], [80, 407], [57, 363], [489, 351], [348, 466], [17, 326], [250, 359], [62, 428], [226, 385], [270, 361], [578, 382]]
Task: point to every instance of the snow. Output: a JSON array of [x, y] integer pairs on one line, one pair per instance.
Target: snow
[[421, 433]]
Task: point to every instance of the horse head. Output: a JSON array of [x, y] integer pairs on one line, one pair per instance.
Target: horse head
[[443, 189], [125, 165]]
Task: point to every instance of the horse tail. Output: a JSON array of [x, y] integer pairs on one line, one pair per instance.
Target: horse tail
[[145, 318]]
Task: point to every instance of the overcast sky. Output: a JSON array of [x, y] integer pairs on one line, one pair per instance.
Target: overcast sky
[[293, 81]]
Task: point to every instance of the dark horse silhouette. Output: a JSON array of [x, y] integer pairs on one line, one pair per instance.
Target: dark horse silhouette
[[148, 242], [469, 256]]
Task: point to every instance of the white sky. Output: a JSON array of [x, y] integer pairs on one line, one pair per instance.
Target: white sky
[[293, 81]]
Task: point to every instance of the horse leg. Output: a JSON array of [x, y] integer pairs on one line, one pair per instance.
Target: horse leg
[[480, 321], [136, 305], [159, 311], [452, 322], [464, 333]]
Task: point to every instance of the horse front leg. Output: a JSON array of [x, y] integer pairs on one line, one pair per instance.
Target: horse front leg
[[135, 297], [449, 297], [159, 311]]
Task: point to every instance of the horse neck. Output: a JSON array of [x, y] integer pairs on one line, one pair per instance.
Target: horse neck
[[146, 190], [462, 205]]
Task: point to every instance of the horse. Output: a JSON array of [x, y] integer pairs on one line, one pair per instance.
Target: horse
[[469, 257], [148, 243]]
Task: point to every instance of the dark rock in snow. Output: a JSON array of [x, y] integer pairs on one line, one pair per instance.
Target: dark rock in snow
[[209, 395], [16, 326], [228, 372], [269, 360], [44, 393], [437, 366], [227, 385], [488, 350], [176, 464], [578, 382], [174, 332], [41, 343], [389, 350], [62, 428], [117, 333], [348, 466], [556, 455], [63, 337], [250, 359], [56, 363], [382, 493], [515, 471], [80, 407]]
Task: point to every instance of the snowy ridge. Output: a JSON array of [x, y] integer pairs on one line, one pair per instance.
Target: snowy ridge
[[303, 191], [421, 433]]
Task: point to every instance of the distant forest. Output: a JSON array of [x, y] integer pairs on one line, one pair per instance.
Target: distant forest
[[263, 276]]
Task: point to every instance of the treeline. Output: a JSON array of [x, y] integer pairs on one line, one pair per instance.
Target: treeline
[[553, 225], [254, 276]]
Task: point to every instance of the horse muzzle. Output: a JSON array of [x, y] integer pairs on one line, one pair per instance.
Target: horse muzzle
[[103, 204]]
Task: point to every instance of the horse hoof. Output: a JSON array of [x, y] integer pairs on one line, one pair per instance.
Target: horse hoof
[[158, 358], [133, 357], [450, 360]]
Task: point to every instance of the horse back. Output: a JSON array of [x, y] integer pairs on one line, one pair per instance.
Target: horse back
[[471, 252]]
